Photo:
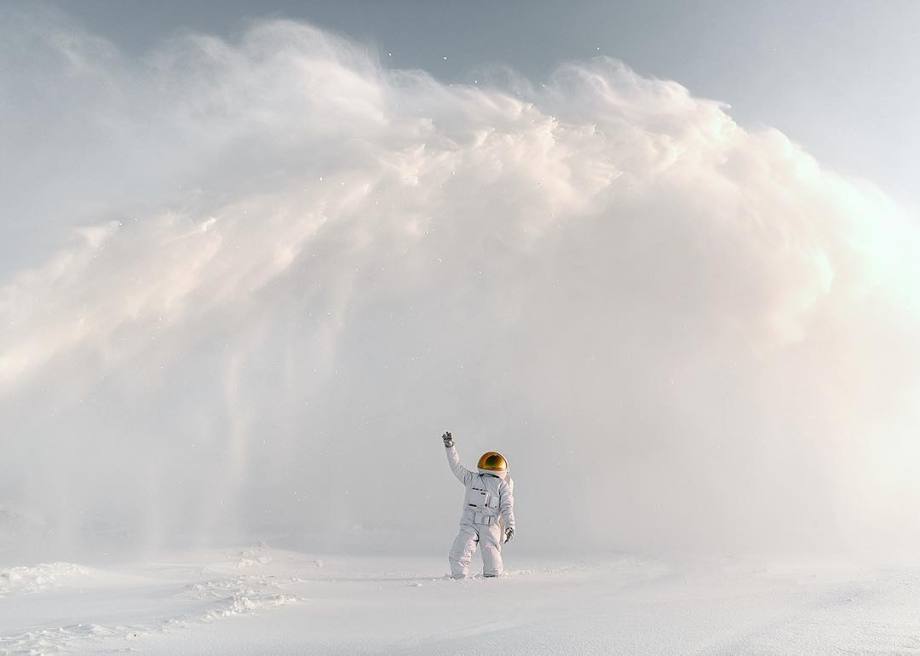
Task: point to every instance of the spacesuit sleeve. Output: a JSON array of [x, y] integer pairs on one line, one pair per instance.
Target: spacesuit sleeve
[[463, 474], [506, 503]]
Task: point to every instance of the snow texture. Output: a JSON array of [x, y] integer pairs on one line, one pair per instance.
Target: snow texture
[[261, 600]]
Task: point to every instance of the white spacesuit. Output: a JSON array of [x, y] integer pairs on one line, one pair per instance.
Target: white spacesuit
[[488, 512]]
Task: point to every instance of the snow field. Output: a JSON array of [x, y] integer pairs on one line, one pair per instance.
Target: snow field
[[270, 601]]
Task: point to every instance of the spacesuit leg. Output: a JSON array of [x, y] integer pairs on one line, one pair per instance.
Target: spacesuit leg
[[490, 541], [461, 553]]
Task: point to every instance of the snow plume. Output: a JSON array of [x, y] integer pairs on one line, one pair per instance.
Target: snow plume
[[247, 284]]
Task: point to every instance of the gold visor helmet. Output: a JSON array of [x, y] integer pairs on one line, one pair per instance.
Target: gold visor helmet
[[493, 461]]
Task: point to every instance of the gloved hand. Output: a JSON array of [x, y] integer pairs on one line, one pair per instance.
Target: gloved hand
[[509, 533], [448, 439]]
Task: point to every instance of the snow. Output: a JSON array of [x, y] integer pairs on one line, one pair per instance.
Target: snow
[[687, 336], [35, 579], [262, 600]]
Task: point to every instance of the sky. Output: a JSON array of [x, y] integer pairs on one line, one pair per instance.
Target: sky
[[251, 269], [842, 77]]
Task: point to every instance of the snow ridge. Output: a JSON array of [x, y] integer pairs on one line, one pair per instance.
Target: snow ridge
[[221, 591], [36, 578]]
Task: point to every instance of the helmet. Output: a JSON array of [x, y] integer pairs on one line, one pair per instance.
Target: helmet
[[493, 461]]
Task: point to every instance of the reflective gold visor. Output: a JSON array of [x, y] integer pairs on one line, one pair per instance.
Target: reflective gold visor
[[493, 461]]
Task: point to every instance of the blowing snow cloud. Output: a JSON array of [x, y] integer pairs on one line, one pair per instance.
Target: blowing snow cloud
[[246, 282]]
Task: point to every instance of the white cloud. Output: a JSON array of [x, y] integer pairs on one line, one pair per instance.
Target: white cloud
[[300, 267]]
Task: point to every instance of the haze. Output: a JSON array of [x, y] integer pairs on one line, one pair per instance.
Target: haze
[[249, 280]]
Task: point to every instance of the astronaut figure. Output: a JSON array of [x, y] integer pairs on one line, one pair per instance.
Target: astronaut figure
[[488, 512]]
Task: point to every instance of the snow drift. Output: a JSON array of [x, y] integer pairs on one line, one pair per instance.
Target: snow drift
[[246, 285]]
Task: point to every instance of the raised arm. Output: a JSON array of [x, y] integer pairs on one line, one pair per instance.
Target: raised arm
[[463, 474]]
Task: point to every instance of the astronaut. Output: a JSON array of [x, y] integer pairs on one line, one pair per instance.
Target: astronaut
[[488, 512]]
